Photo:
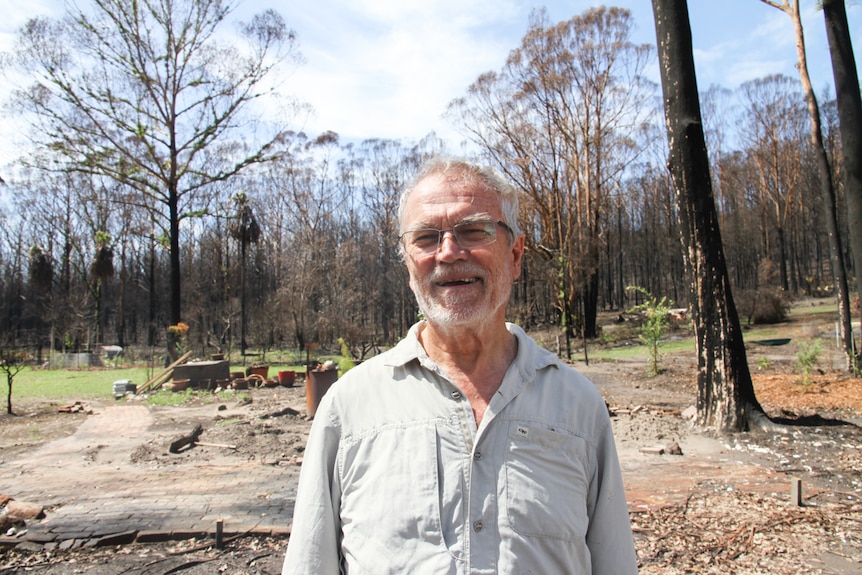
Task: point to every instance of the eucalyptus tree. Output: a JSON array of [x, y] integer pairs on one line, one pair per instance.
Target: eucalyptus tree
[[772, 128], [52, 212], [825, 180], [387, 166], [142, 92], [717, 112], [849, 101], [725, 392], [309, 201], [559, 119], [741, 219]]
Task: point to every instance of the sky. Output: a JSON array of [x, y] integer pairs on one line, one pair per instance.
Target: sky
[[389, 68]]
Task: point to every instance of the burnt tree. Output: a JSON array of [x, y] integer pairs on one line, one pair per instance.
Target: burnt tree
[[850, 124], [725, 393]]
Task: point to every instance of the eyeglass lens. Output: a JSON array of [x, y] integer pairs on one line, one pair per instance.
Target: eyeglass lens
[[467, 235]]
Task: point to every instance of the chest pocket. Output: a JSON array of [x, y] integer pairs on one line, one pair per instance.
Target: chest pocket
[[390, 505], [547, 482]]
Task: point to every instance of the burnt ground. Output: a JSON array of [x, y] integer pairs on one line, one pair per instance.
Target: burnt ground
[[718, 504]]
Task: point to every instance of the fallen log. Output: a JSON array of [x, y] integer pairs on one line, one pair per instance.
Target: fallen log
[[186, 440]]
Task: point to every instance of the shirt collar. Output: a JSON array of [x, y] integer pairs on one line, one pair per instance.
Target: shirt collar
[[531, 357]]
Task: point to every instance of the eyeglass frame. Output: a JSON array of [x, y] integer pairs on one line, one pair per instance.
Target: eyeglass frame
[[442, 232]]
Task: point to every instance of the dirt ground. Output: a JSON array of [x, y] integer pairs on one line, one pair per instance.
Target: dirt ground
[[721, 521]]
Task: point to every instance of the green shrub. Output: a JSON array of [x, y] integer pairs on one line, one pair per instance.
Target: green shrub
[[807, 358], [655, 326], [345, 360]]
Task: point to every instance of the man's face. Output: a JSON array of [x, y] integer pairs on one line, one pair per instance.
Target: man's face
[[454, 285]]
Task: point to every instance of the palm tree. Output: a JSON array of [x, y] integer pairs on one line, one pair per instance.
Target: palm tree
[[101, 269], [246, 230]]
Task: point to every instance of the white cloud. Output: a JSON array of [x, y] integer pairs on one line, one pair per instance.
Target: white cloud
[[389, 68]]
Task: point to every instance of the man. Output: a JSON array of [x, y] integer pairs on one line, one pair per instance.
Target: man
[[466, 448]]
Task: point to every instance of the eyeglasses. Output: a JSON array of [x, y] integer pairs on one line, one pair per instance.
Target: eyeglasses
[[468, 235]]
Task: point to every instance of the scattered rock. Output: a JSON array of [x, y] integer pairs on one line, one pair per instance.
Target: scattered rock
[[8, 524], [24, 510]]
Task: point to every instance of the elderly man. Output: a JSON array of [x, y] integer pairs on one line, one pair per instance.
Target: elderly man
[[466, 448]]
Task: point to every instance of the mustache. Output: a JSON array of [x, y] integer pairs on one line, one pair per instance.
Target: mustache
[[448, 271]]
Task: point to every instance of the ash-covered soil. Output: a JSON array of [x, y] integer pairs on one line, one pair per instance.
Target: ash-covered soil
[[719, 505]]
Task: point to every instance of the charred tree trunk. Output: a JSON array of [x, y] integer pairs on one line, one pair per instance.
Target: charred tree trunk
[[824, 172], [850, 124], [725, 395]]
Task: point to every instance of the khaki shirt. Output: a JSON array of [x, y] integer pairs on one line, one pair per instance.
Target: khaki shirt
[[397, 478]]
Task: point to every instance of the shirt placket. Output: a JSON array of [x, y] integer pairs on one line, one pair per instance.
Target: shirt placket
[[482, 520], [483, 532]]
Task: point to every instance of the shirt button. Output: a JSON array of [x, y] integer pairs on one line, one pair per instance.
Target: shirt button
[[477, 456], [477, 526], [456, 394]]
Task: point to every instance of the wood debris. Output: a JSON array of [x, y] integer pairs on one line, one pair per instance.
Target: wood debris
[[726, 531], [186, 440], [222, 445], [76, 407]]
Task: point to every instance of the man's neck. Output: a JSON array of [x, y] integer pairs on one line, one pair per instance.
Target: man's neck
[[476, 358]]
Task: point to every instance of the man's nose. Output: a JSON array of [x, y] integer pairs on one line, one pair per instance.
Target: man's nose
[[449, 247]]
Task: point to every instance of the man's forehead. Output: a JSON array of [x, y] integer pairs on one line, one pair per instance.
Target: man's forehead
[[449, 187]]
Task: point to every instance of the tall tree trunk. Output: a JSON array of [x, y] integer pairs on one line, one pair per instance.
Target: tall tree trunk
[[153, 298], [591, 305], [725, 394], [121, 311], [827, 188], [850, 124], [243, 345], [175, 281]]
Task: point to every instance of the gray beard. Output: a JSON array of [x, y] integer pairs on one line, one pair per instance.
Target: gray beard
[[449, 312]]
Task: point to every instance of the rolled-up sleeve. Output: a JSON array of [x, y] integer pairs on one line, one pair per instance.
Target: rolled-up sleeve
[[314, 545]]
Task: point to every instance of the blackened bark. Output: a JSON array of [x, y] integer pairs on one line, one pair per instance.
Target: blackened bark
[[725, 393], [591, 306], [850, 123]]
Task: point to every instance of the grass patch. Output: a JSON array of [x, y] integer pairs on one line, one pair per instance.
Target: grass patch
[[640, 351], [83, 384], [72, 384], [825, 307], [165, 397]]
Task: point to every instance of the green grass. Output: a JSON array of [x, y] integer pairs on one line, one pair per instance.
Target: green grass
[[72, 384], [83, 384], [639, 350], [165, 397], [826, 307]]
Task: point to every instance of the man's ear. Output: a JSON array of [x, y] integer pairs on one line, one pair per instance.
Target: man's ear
[[517, 252]]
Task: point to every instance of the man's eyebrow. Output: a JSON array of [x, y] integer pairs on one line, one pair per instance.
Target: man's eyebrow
[[483, 217], [480, 217]]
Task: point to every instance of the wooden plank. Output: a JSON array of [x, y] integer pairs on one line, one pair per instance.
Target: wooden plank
[[205, 444], [164, 374]]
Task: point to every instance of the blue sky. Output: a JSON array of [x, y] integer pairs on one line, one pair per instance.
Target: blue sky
[[388, 68]]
